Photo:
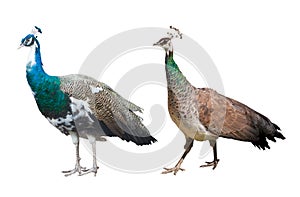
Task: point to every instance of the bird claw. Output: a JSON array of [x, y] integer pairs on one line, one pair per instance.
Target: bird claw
[[170, 170], [77, 168], [211, 163], [91, 170]]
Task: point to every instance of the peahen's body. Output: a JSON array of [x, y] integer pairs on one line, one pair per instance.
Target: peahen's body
[[203, 114], [81, 106]]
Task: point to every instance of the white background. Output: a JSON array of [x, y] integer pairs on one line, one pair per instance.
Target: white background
[[254, 44]]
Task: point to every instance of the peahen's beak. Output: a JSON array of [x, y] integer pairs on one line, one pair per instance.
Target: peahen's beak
[[157, 43]]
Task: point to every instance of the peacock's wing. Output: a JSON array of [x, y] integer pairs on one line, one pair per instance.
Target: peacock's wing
[[114, 114]]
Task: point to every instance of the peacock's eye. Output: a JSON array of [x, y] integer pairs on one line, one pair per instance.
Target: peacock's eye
[[28, 41]]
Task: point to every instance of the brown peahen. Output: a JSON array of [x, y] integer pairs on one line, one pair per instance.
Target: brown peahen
[[204, 114]]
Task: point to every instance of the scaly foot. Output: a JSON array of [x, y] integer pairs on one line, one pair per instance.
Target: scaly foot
[[170, 170], [175, 169], [77, 168], [93, 169], [211, 163]]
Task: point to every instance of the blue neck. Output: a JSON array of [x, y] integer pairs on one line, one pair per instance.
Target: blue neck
[[51, 101], [37, 54], [34, 69]]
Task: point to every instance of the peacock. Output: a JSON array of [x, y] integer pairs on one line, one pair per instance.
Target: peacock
[[204, 114], [82, 107]]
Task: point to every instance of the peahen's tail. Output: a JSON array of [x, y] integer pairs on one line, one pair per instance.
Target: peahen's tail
[[262, 142]]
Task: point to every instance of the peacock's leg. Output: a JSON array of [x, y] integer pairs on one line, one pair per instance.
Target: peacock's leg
[[78, 168], [94, 169]]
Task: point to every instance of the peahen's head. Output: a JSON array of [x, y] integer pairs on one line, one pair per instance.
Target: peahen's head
[[166, 42], [31, 39]]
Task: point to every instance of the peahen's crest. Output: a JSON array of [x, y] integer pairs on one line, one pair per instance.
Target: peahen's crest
[[165, 42]]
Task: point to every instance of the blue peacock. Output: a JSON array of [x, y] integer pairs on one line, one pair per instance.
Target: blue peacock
[[82, 107]]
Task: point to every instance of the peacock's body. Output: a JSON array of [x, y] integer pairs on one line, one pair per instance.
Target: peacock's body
[[81, 106], [203, 114]]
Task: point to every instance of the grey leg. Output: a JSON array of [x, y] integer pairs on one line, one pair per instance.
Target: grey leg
[[94, 169], [78, 168]]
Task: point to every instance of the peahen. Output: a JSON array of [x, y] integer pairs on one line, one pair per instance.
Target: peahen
[[82, 107], [203, 114]]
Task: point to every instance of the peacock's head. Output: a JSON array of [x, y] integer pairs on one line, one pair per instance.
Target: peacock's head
[[30, 39], [166, 42]]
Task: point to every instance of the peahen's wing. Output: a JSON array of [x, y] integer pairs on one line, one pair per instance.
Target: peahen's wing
[[229, 118], [115, 114]]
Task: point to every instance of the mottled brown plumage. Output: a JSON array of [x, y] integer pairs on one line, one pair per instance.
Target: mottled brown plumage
[[204, 114], [234, 119]]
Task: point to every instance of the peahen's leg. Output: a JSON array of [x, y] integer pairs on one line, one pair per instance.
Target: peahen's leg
[[188, 146], [215, 162], [78, 168]]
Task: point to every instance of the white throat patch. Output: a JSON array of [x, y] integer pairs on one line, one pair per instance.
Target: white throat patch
[[31, 56]]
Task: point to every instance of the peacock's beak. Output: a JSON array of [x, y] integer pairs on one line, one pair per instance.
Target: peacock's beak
[[21, 45]]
